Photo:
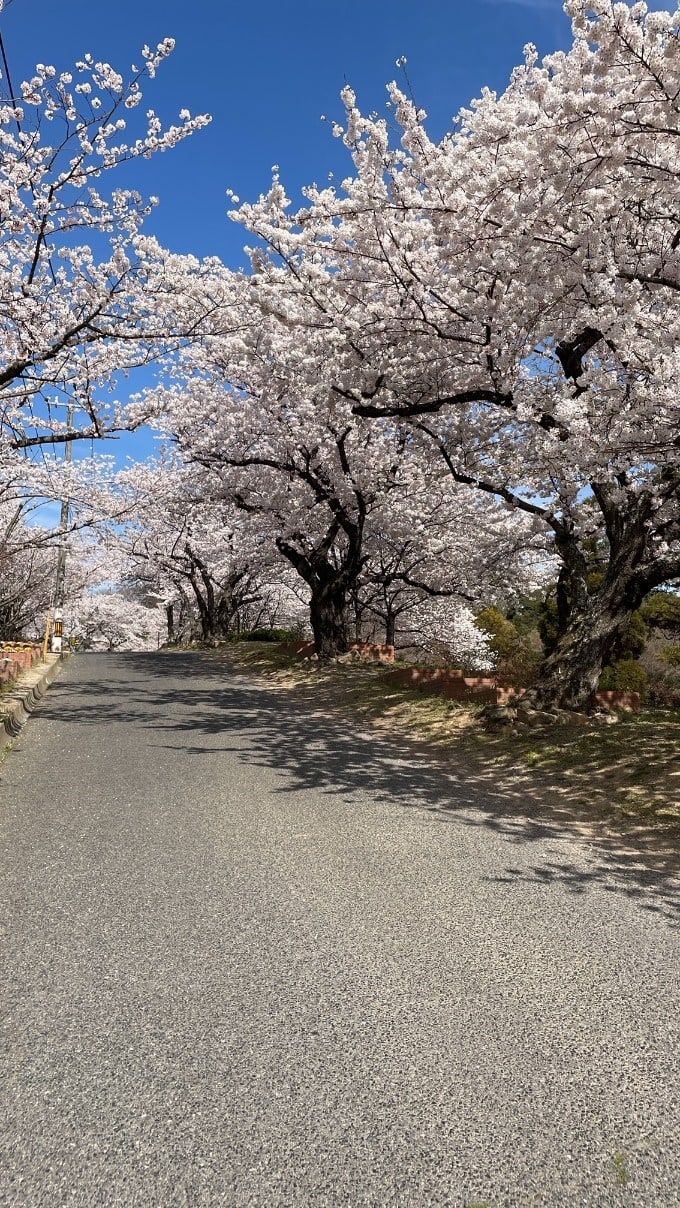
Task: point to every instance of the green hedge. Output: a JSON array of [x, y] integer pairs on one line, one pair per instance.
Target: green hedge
[[266, 635], [625, 676]]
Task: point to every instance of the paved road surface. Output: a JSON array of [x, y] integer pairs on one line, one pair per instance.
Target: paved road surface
[[252, 959]]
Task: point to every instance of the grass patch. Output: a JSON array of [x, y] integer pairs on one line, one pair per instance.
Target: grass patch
[[621, 1174], [634, 766]]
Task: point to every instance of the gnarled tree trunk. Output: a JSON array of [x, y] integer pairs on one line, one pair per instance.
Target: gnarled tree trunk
[[570, 674], [390, 626], [590, 621], [330, 571], [328, 617]]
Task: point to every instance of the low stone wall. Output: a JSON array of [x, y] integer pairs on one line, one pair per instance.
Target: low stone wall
[[22, 698], [627, 702], [14, 660], [373, 652], [297, 650], [370, 651], [453, 684]]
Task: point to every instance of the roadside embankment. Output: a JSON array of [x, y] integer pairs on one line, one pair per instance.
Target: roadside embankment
[[17, 704]]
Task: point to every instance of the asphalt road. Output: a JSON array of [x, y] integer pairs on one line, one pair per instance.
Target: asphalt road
[[251, 958]]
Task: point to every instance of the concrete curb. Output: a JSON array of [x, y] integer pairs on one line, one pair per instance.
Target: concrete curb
[[27, 695]]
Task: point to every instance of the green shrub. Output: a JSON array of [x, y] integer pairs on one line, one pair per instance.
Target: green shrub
[[266, 635], [661, 610], [631, 640], [625, 676], [548, 628], [670, 655], [516, 659], [504, 636], [527, 612]]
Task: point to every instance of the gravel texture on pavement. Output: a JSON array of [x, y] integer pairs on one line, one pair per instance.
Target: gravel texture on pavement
[[257, 958]]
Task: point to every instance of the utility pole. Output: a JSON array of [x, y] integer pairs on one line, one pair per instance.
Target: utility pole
[[59, 589]]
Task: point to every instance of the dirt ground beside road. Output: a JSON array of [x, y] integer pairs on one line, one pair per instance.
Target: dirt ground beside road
[[617, 785]]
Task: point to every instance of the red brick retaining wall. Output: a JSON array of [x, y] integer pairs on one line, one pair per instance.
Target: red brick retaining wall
[[455, 685], [628, 702], [13, 661], [451, 682], [368, 650]]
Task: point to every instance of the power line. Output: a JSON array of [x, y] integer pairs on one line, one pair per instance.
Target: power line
[[12, 98], [7, 72], [3, 8]]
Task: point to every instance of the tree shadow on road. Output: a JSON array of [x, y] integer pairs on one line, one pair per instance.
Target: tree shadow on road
[[202, 707]]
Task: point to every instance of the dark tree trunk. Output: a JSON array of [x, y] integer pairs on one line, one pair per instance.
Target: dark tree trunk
[[183, 620], [237, 591], [226, 611], [170, 619], [204, 595], [357, 614], [327, 613], [330, 583], [390, 627], [570, 674], [590, 622], [207, 615], [329, 562]]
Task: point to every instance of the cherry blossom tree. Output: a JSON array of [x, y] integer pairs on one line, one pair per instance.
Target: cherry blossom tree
[[308, 474], [84, 294], [29, 555], [331, 490], [105, 612], [196, 553], [306, 470], [446, 628], [32, 547], [433, 559], [26, 572], [114, 620], [510, 294]]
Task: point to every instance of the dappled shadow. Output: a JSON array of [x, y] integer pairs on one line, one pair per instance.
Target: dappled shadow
[[651, 890], [199, 705]]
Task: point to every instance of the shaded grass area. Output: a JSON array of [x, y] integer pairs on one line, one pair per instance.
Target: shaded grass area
[[619, 781]]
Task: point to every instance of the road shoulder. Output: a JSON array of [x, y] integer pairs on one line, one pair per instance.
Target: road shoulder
[[23, 699]]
